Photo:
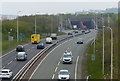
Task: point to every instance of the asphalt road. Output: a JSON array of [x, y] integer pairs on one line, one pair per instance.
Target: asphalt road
[[52, 63], [9, 60]]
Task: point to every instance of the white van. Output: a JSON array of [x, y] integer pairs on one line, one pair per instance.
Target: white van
[[21, 56], [49, 40]]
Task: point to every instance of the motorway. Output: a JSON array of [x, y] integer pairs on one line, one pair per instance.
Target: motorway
[[9, 59], [52, 63]]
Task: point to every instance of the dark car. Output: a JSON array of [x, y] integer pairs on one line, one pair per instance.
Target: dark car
[[70, 33], [20, 48], [76, 31], [83, 31], [80, 41], [40, 46]]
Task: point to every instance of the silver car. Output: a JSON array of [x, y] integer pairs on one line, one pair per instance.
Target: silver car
[[63, 75]]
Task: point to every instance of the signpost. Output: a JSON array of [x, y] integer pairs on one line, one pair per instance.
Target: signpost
[[93, 57], [21, 36]]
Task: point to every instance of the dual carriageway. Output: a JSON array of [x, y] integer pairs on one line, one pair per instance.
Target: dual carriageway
[[49, 65]]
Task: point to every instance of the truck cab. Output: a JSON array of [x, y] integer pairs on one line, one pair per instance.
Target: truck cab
[[54, 36]]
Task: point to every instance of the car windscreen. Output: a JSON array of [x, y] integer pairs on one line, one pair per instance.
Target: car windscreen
[[67, 56], [4, 71], [63, 73]]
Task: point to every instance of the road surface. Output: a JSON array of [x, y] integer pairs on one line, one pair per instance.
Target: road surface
[[52, 63]]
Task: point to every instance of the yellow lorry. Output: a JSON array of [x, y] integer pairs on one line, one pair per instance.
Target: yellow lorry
[[53, 36], [35, 38]]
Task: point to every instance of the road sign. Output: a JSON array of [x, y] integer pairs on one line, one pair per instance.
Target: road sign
[[93, 57], [21, 35]]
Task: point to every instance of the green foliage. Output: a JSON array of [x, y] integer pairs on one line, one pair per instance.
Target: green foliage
[[114, 23]]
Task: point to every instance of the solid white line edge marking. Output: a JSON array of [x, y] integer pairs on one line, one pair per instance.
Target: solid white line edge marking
[[76, 67]]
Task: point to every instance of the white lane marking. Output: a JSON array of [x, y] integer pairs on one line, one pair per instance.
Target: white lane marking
[[32, 47], [58, 63], [3, 67], [28, 49], [46, 57], [76, 67], [53, 76], [56, 69], [61, 57], [10, 62]]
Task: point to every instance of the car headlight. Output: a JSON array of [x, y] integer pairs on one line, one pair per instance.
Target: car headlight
[[59, 77], [67, 77]]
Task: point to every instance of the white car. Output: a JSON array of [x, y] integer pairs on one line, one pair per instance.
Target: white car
[[63, 75], [67, 58], [68, 53], [6, 73], [49, 40]]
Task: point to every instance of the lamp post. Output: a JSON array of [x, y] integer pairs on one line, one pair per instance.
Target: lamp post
[[17, 26], [111, 47], [35, 21], [103, 46], [111, 52]]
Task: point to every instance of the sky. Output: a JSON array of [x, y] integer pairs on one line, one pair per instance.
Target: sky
[[53, 6]]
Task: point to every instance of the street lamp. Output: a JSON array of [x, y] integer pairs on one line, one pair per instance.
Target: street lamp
[[103, 65], [111, 51], [17, 26], [35, 21]]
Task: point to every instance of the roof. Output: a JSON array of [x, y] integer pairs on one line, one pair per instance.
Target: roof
[[64, 70], [5, 69], [21, 52]]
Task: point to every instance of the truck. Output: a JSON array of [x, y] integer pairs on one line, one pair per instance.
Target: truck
[[53, 36], [35, 38]]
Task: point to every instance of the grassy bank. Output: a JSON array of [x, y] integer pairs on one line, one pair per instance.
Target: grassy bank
[[10, 45], [94, 67]]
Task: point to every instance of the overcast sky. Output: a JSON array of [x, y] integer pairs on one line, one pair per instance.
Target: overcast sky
[[32, 7]]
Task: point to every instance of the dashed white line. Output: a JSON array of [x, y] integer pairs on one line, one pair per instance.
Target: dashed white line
[[53, 76], [28, 49], [3, 67], [56, 69], [61, 57], [10, 62], [76, 67], [58, 63]]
